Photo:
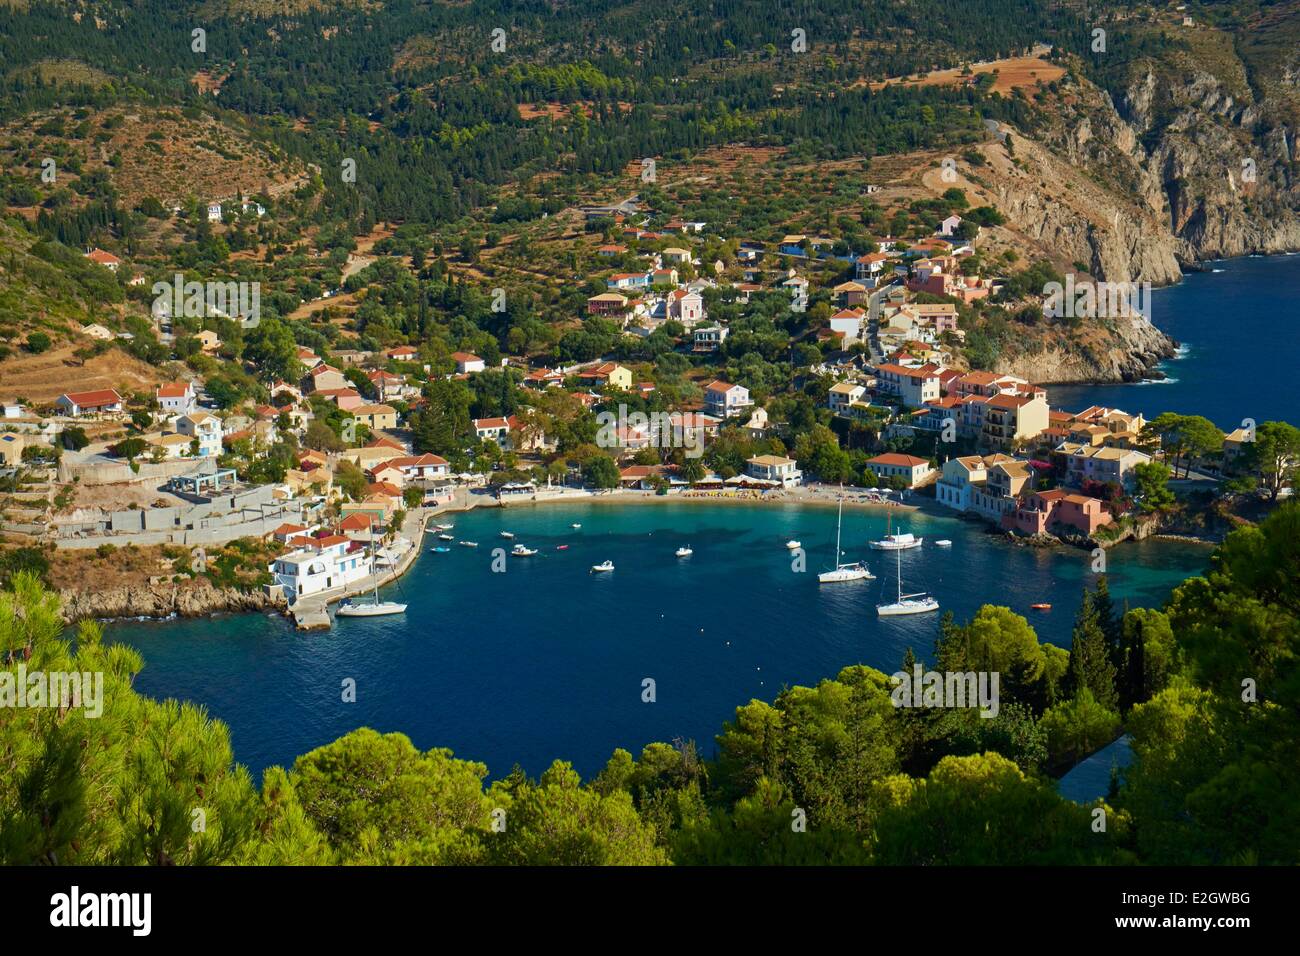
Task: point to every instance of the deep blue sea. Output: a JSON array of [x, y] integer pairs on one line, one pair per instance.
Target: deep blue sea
[[1239, 326], [546, 660]]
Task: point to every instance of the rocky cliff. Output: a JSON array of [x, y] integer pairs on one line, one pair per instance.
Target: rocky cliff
[[191, 599]]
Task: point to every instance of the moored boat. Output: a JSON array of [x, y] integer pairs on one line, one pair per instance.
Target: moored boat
[[603, 566], [907, 603]]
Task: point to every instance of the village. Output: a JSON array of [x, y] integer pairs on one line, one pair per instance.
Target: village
[[330, 469]]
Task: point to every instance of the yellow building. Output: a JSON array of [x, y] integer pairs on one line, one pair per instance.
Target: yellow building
[[377, 416]]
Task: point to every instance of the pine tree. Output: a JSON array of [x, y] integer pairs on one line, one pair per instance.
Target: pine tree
[[1090, 665]]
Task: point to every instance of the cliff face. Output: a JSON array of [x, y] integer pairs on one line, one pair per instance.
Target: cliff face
[[162, 600], [1127, 354]]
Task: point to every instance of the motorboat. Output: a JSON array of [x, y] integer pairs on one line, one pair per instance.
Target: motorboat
[[907, 603], [1041, 607], [445, 537], [468, 544], [793, 545], [561, 547], [507, 534], [685, 551], [945, 543], [602, 567], [575, 526], [441, 550], [519, 551]]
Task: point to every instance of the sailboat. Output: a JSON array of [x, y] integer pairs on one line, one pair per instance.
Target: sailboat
[[907, 603], [854, 571], [895, 542], [374, 607]]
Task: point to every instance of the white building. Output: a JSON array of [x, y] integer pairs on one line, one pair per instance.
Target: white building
[[784, 471], [175, 398], [325, 563], [725, 400], [214, 212], [206, 428]]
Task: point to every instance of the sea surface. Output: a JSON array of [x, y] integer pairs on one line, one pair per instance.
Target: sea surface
[[1239, 326], [547, 661]]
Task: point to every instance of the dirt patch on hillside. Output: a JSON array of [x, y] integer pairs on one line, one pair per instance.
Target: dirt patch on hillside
[[41, 379], [1013, 73]]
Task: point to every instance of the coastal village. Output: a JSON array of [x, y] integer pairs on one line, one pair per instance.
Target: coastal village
[[333, 471]]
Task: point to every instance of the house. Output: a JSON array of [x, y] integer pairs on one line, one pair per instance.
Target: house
[[628, 280], [663, 277], [950, 225], [1007, 482], [97, 331], [611, 250], [709, 338], [347, 399], [388, 385], [105, 259], [246, 207], [1044, 511], [686, 307], [324, 377], [940, 316], [308, 358], [911, 469], [676, 255], [1105, 464], [467, 362], [280, 387], [960, 476], [421, 467], [849, 294], [204, 426], [843, 394], [214, 212], [173, 446], [175, 398], [792, 245], [608, 373], [493, 429], [209, 341], [403, 353], [607, 304], [725, 400], [913, 386], [103, 401], [543, 378], [689, 430], [848, 325], [11, 449], [756, 427], [321, 564], [1013, 418], [783, 471], [375, 416], [1234, 444], [869, 268]]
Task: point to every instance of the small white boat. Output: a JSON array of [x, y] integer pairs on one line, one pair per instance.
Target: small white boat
[[945, 543], [603, 566], [575, 526], [853, 571], [468, 544], [793, 545], [519, 551], [443, 527], [685, 552], [907, 603], [445, 537], [507, 534]]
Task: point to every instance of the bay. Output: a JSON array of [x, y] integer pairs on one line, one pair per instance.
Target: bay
[[547, 661]]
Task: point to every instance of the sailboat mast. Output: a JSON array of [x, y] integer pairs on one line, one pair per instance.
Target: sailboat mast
[[838, 521], [899, 556], [374, 562]]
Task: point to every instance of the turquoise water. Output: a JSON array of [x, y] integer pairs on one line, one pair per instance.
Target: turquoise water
[[1239, 326], [546, 660]]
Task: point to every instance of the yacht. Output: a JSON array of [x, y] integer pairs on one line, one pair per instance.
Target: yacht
[[575, 526], [445, 537], [519, 551], [895, 542], [907, 603], [507, 534], [603, 566], [853, 571], [945, 543], [684, 552], [793, 545], [468, 544], [373, 607]]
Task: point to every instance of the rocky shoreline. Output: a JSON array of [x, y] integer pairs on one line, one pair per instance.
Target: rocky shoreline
[[163, 601]]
